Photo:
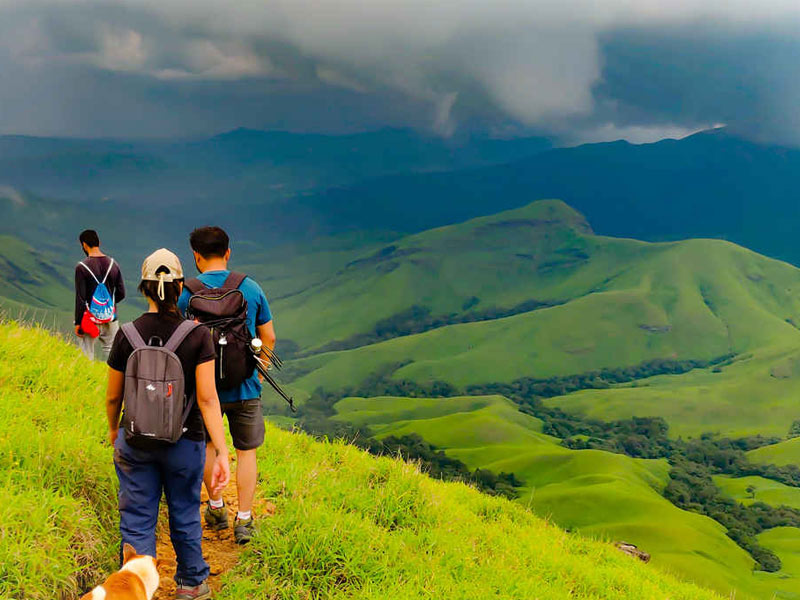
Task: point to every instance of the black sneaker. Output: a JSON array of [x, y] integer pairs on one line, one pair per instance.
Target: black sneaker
[[243, 530], [216, 518]]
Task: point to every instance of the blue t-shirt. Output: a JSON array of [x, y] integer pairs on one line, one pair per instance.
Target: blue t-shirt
[[258, 313]]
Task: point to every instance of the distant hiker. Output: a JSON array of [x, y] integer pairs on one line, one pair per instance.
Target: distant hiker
[[161, 372], [98, 289], [238, 383]]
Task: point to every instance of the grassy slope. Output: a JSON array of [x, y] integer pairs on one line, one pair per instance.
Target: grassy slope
[[783, 453], [348, 525], [755, 394], [785, 542], [58, 500], [545, 251], [598, 493], [631, 302], [766, 490]]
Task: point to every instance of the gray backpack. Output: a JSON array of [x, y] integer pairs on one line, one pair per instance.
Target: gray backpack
[[156, 406]]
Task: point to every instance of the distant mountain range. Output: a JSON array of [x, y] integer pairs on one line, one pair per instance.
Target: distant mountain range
[[711, 184], [278, 187], [242, 166]]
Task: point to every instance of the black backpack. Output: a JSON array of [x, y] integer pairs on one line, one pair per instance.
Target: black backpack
[[224, 311]]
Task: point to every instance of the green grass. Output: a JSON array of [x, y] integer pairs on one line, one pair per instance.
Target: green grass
[[785, 542], [348, 525], [626, 302], [351, 526], [783, 453], [744, 398], [686, 298], [608, 496], [766, 490], [57, 496]]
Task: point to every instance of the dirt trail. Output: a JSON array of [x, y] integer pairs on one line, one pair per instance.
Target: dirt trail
[[219, 549]]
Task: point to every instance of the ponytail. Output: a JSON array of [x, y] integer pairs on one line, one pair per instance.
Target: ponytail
[[164, 293]]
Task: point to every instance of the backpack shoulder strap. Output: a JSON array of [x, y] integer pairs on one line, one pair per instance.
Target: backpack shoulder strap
[[85, 266], [194, 285], [110, 266], [234, 280], [177, 337], [133, 335]]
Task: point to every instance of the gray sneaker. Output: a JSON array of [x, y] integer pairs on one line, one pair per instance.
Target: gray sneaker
[[216, 518], [198, 592], [243, 530]]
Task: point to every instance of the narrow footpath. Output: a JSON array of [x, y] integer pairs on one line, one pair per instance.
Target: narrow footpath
[[219, 548]]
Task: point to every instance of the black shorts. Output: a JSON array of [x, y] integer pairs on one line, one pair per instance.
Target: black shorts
[[246, 423]]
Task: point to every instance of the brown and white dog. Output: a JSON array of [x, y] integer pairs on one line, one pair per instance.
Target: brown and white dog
[[138, 579]]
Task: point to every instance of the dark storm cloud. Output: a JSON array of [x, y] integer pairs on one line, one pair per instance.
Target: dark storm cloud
[[576, 70], [748, 80]]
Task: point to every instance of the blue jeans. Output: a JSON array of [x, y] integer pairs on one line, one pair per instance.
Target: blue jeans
[[177, 470]]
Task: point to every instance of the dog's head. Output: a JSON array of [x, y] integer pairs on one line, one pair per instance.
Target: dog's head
[[137, 572], [144, 567]]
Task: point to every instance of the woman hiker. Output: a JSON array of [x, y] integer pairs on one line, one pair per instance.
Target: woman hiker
[[149, 462]]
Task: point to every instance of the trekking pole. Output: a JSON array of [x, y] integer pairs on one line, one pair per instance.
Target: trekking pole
[[256, 346]]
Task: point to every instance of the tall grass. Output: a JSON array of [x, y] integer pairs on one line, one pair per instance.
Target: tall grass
[[57, 486], [348, 525]]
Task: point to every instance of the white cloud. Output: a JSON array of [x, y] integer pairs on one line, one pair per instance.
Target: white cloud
[[6, 191]]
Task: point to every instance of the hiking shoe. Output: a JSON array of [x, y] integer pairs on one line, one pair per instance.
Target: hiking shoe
[[198, 592], [216, 518], [243, 530]]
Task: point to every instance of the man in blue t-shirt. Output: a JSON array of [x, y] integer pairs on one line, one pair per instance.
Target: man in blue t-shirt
[[242, 405]]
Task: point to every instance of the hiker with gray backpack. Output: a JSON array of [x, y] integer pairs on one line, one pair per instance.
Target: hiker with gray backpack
[[162, 396], [98, 289]]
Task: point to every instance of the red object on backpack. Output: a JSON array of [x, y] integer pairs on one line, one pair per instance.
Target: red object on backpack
[[88, 326]]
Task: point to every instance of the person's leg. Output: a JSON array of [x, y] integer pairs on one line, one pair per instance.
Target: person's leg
[[86, 344], [183, 479], [108, 331], [139, 495], [246, 420], [246, 478]]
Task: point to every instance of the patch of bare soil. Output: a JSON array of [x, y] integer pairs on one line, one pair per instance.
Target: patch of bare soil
[[219, 548]]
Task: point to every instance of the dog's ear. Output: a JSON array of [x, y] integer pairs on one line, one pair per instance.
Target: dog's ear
[[128, 552]]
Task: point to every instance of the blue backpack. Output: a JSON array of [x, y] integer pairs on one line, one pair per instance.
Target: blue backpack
[[101, 306]]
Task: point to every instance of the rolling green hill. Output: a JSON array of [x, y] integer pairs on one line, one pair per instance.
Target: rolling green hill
[[616, 303], [783, 453], [347, 525], [764, 490], [597, 493]]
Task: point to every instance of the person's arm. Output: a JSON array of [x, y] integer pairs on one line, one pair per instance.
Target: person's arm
[[119, 294], [265, 328], [114, 393], [267, 334], [208, 401], [80, 303]]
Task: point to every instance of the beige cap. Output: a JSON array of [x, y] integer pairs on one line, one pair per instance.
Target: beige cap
[[158, 259]]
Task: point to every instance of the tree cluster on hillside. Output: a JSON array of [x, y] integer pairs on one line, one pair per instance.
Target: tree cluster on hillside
[[526, 388], [315, 418], [418, 319], [693, 461]]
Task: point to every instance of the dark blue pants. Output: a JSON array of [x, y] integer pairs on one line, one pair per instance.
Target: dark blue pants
[[177, 470]]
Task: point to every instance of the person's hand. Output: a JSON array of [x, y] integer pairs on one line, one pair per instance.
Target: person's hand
[[78, 331], [220, 474], [112, 435]]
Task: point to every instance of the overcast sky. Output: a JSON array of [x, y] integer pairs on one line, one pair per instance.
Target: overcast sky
[[581, 70]]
